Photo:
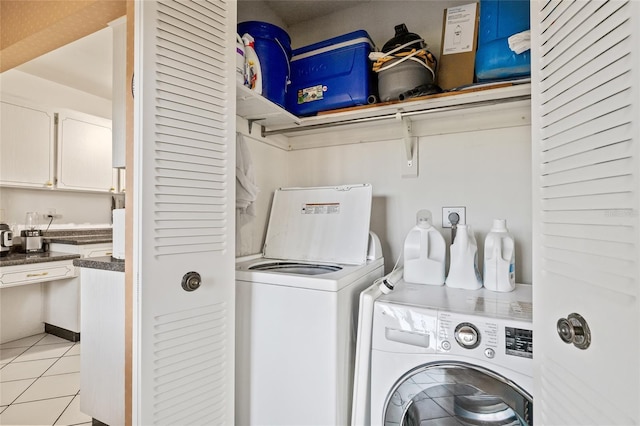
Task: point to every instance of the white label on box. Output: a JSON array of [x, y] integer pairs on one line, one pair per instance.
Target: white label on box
[[310, 94], [321, 208], [459, 29]]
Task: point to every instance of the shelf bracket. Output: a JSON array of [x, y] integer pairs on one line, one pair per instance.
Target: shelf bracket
[[250, 122], [410, 166]]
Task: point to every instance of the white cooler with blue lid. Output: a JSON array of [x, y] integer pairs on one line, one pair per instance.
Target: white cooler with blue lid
[[297, 305]]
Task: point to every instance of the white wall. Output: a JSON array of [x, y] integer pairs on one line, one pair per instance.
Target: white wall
[[486, 171], [76, 208], [271, 172], [377, 17]]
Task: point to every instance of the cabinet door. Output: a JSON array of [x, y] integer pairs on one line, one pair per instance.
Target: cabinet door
[[586, 152], [183, 212], [84, 152], [26, 151]]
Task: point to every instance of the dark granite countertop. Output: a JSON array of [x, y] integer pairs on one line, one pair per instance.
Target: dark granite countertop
[[63, 236], [79, 240], [107, 263], [79, 236], [14, 258]]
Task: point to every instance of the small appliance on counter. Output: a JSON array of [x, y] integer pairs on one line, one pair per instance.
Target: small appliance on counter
[[6, 239], [32, 234]]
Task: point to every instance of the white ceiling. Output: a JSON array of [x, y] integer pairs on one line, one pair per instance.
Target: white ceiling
[[84, 64], [296, 11]]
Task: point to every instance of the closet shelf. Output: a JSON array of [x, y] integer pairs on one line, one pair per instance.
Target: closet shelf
[[276, 120]]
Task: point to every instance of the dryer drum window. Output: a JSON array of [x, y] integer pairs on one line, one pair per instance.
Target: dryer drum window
[[457, 393]]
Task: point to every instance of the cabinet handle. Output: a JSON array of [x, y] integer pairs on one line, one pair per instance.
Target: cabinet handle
[[41, 274], [109, 253], [112, 189], [49, 184]]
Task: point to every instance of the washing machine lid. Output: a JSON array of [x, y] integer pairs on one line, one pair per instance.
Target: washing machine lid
[[320, 224]]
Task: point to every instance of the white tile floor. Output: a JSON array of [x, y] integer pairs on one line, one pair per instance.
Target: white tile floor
[[40, 382]]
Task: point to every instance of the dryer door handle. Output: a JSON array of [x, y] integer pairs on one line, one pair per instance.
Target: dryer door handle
[[412, 338]]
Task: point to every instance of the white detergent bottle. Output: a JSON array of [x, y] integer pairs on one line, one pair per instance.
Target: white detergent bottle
[[253, 71], [424, 252], [499, 258], [463, 270]]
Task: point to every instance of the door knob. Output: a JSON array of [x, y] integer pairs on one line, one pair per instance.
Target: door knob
[[574, 329], [191, 281]]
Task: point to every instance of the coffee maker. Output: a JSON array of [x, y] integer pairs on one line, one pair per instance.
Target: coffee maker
[[32, 235], [6, 239]]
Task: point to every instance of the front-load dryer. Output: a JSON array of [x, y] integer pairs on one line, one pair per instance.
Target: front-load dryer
[[446, 356], [297, 304]]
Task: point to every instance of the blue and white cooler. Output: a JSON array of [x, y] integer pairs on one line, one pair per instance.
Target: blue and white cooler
[[331, 74]]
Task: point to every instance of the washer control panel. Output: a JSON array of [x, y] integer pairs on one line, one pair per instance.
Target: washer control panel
[[492, 339], [467, 335]]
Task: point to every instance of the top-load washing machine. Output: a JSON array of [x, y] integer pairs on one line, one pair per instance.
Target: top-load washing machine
[[297, 304], [445, 356]]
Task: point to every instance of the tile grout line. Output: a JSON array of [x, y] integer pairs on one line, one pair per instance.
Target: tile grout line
[[36, 379], [41, 376], [65, 409]]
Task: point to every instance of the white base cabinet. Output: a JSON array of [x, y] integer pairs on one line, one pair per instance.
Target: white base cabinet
[[62, 298], [102, 357]]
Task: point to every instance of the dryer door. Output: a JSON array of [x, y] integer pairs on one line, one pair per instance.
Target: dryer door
[[455, 393]]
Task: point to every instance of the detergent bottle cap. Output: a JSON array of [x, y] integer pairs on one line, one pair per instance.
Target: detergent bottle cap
[[423, 219], [499, 225]]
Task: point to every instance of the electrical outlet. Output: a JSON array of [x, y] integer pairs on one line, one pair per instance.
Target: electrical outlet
[[52, 213], [462, 212]]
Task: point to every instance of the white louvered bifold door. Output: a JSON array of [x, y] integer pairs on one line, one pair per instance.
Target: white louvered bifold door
[[183, 358], [586, 138]]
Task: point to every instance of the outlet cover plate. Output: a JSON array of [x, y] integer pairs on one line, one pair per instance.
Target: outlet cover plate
[[462, 212]]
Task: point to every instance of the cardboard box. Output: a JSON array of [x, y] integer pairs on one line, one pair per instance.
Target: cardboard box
[[458, 48]]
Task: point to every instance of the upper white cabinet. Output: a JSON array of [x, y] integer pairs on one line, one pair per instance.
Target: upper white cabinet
[[46, 148], [26, 151], [84, 153]]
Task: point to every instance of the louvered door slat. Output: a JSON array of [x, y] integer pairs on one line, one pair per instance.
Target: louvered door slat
[[595, 171], [609, 67], [567, 43], [622, 217], [588, 112], [586, 138], [600, 186], [612, 135], [608, 265], [590, 246], [600, 154], [606, 121], [184, 212]]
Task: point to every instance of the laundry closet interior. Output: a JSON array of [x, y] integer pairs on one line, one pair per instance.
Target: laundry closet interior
[[472, 151]]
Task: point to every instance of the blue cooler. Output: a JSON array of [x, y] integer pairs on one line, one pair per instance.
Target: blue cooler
[[333, 73], [499, 20]]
